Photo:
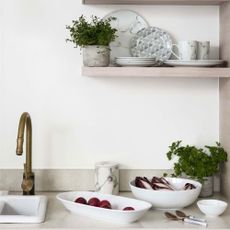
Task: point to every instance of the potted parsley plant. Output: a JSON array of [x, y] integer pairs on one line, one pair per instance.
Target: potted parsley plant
[[198, 163], [94, 37]]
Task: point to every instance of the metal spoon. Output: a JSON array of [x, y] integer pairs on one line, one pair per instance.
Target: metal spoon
[[183, 215], [171, 216], [186, 220]]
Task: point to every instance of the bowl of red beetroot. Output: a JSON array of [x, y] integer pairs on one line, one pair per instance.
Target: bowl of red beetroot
[[166, 192], [104, 207]]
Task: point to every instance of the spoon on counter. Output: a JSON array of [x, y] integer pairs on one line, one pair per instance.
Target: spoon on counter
[[183, 215], [186, 220]]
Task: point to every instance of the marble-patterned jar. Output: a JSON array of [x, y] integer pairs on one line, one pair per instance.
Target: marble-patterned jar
[[107, 177], [96, 56]]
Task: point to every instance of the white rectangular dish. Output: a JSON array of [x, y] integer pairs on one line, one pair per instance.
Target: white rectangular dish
[[116, 214]]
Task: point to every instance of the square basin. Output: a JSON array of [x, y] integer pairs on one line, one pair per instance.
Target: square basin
[[22, 209]]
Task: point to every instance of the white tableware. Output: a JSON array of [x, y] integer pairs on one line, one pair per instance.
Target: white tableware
[[107, 177], [164, 199], [187, 50], [116, 214], [203, 50], [151, 42], [212, 207], [127, 23], [194, 63], [136, 61]]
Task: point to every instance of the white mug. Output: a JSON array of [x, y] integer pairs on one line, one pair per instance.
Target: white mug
[[107, 177], [203, 50], [187, 50]]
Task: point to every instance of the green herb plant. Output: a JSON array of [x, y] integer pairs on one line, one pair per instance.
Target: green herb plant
[[97, 32], [197, 163]]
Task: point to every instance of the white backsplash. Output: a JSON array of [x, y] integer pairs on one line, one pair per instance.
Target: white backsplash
[[78, 120]]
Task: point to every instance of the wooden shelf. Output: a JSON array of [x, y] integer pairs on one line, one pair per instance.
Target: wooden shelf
[[187, 72], [156, 2]]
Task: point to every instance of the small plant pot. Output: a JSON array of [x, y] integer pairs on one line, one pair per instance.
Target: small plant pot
[[207, 188], [96, 56]]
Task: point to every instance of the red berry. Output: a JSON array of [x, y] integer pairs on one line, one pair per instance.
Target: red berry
[[128, 209], [105, 204], [81, 200], [94, 202]]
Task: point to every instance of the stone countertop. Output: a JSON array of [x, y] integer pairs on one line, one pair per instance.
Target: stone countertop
[[57, 217]]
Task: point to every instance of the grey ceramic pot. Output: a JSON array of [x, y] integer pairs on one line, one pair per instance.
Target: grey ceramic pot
[[207, 187], [96, 56]]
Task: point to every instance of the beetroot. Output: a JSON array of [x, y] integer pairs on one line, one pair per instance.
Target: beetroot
[[105, 204], [81, 200], [128, 209], [94, 201]]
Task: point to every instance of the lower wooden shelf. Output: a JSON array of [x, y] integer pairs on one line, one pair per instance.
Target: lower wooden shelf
[[203, 72]]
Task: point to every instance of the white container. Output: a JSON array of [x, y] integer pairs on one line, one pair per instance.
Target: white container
[[164, 199], [96, 56], [116, 214], [203, 50], [212, 207], [107, 177]]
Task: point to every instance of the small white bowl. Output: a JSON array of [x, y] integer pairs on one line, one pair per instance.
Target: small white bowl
[[212, 207], [163, 199]]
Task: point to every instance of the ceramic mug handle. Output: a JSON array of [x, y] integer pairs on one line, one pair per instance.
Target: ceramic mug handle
[[173, 52]]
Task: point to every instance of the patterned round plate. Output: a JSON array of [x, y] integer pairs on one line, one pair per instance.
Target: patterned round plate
[[151, 42]]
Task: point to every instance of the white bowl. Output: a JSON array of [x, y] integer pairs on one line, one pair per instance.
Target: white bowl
[[212, 207], [163, 199], [116, 214]]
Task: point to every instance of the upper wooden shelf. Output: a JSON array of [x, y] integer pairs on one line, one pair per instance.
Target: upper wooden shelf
[[156, 2], [187, 72]]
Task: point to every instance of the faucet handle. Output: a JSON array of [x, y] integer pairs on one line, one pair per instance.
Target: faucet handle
[[27, 183]]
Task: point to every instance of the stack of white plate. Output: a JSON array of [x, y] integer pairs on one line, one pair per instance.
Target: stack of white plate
[[136, 61]]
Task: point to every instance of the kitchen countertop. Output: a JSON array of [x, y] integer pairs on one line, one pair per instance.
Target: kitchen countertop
[[57, 217]]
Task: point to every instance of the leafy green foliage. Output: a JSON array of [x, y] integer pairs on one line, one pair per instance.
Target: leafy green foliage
[[96, 32], [197, 163]]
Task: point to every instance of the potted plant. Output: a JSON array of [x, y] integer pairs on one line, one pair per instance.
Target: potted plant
[[197, 163], [94, 37]]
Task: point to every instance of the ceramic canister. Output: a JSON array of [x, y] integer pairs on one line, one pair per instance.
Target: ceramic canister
[[107, 177]]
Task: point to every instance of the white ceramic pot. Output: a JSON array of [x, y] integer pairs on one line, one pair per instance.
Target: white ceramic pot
[[96, 56], [207, 188]]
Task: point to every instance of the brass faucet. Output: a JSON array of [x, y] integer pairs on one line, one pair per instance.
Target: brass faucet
[[28, 175]]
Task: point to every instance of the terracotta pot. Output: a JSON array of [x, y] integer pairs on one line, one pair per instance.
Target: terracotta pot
[[96, 56]]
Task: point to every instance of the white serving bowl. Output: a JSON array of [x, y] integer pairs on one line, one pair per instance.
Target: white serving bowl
[[116, 214], [164, 199], [212, 207]]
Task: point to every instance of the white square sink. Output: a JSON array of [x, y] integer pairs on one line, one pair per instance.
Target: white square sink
[[22, 209]]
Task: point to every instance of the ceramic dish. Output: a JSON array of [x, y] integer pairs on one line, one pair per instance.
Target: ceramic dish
[[116, 214], [212, 207], [151, 42], [164, 199], [194, 63], [127, 23], [136, 61]]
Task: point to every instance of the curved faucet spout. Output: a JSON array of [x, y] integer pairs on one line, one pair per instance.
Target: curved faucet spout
[[25, 121]]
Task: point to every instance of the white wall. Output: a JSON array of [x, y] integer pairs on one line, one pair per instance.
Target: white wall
[[79, 120]]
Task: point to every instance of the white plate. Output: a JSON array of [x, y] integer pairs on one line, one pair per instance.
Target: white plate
[[136, 63], [128, 23], [152, 42], [194, 63], [136, 58], [115, 215]]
